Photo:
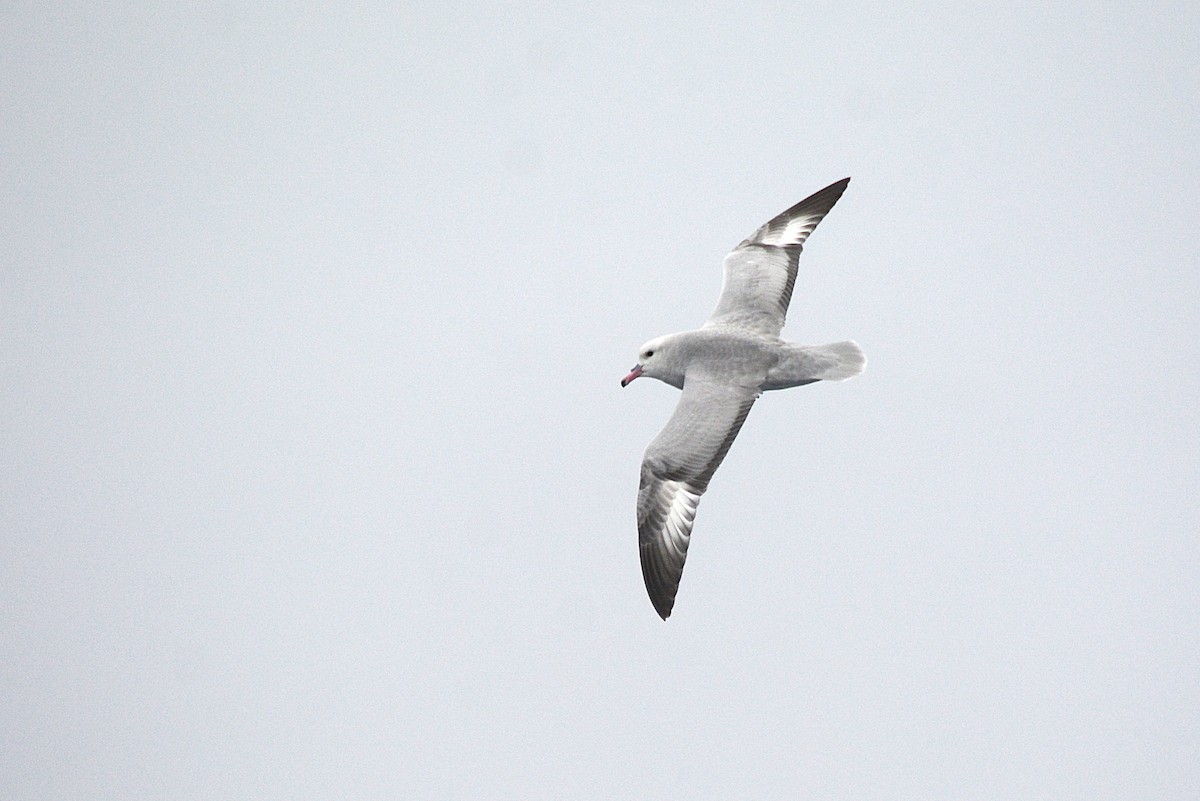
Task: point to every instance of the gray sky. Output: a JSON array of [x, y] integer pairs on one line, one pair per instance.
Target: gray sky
[[318, 482]]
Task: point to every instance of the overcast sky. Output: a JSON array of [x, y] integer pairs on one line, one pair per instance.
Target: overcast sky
[[316, 480]]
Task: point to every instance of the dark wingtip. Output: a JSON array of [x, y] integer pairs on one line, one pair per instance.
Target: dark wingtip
[[660, 589], [827, 197], [818, 203], [663, 609]]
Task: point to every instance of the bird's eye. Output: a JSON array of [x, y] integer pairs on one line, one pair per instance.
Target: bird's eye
[[649, 353]]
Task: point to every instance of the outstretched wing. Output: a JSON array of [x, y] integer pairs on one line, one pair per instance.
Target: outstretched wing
[[675, 472], [761, 271]]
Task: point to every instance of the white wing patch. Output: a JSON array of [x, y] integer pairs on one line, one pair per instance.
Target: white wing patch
[[683, 502], [666, 511], [793, 232]]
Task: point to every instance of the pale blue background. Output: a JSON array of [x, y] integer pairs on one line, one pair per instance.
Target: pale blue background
[[317, 481]]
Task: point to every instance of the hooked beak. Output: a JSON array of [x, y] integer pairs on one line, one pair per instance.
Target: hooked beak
[[634, 373]]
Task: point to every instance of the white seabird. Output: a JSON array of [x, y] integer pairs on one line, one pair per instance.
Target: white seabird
[[722, 369]]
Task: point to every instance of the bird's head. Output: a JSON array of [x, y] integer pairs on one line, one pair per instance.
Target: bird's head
[[655, 360]]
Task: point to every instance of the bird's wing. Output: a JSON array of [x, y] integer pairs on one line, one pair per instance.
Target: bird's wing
[[761, 271], [675, 472]]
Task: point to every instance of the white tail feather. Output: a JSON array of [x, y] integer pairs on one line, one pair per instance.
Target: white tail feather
[[844, 360], [804, 364]]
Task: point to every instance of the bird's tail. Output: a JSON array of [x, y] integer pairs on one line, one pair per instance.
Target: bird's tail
[[838, 361], [804, 364]]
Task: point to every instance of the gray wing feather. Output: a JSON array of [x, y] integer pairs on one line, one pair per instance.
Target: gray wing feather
[[676, 470], [761, 271]]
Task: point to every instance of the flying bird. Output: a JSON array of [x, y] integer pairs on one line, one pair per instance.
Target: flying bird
[[722, 368]]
